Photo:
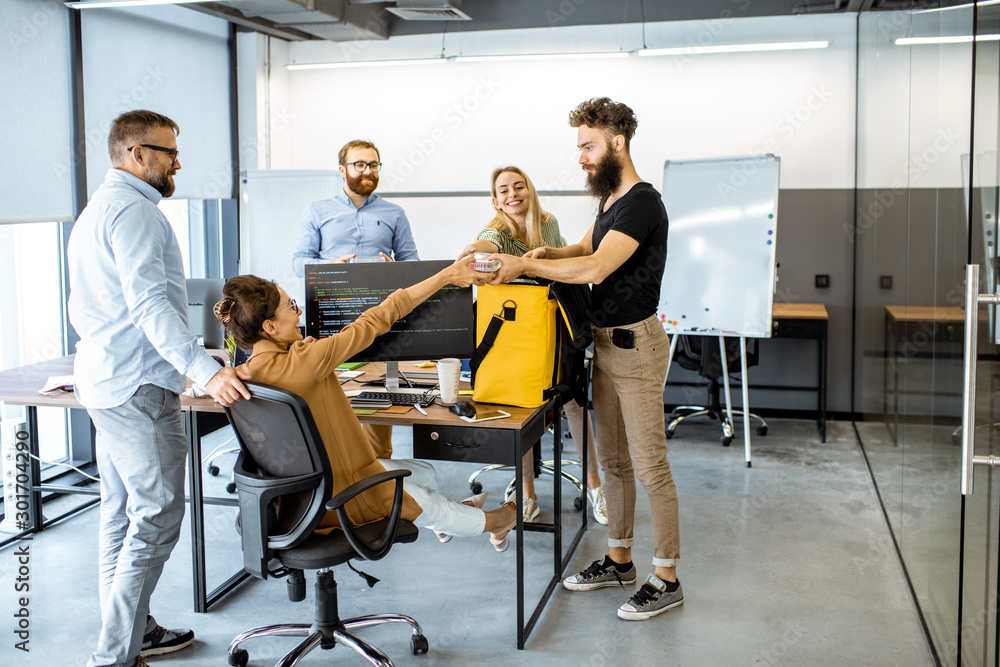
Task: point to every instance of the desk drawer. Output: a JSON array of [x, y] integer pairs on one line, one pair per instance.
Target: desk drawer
[[794, 328], [457, 443]]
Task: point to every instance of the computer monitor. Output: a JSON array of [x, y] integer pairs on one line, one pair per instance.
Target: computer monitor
[[202, 295], [442, 326]]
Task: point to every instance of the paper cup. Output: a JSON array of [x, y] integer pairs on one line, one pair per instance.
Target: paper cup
[[448, 372]]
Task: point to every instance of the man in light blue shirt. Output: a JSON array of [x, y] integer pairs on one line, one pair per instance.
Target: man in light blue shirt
[[128, 303], [355, 222]]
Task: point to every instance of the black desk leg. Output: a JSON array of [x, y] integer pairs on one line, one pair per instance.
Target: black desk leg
[[823, 379], [197, 513], [519, 528], [37, 521]]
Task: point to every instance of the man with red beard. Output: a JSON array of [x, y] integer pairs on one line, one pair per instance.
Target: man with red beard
[[355, 222], [622, 255], [128, 303]]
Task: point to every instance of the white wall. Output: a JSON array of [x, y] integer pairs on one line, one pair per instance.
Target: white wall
[[913, 111], [35, 111], [443, 128], [166, 59]]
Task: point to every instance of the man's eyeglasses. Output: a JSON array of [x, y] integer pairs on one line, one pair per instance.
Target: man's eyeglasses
[[293, 306], [172, 152], [360, 166]]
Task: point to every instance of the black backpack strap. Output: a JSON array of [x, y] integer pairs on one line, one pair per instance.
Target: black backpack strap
[[507, 313]]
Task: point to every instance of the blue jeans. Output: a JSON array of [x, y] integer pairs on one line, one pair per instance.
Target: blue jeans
[[141, 452]]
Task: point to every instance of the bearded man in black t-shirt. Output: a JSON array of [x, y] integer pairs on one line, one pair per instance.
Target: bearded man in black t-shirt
[[622, 255]]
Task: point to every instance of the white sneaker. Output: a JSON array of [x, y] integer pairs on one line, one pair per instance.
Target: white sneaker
[[531, 509], [599, 503]]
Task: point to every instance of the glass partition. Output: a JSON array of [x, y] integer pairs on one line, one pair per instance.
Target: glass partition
[[912, 241]]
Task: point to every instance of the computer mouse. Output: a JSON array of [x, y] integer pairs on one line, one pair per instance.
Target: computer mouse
[[463, 409]]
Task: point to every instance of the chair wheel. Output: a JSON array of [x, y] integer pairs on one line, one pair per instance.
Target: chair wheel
[[761, 430], [578, 503], [240, 658], [213, 470], [727, 441], [670, 434], [476, 487], [230, 488], [418, 644]]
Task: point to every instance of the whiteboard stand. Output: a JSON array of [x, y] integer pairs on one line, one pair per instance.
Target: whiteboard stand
[[674, 338]]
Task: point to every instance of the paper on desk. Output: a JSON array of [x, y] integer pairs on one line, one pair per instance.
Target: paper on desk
[[365, 411], [397, 409], [196, 391], [347, 375], [57, 384]]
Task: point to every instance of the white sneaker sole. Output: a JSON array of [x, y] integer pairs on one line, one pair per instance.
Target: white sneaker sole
[[160, 650], [643, 615], [593, 586]]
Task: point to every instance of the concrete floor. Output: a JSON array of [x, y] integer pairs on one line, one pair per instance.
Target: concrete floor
[[784, 563]]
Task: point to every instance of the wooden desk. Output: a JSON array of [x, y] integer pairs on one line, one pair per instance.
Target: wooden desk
[[443, 436], [19, 386], [938, 323], [811, 321]]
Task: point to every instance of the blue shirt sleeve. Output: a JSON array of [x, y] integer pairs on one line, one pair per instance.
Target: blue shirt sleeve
[[144, 281], [403, 247], [307, 246]]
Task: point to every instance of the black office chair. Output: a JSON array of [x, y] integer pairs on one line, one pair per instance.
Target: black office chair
[[702, 354], [282, 457]]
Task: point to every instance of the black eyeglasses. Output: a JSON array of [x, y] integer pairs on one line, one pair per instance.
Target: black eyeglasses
[[172, 152], [360, 166]]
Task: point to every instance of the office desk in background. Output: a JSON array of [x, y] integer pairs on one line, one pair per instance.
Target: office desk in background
[[441, 435], [804, 321], [809, 321], [939, 324]]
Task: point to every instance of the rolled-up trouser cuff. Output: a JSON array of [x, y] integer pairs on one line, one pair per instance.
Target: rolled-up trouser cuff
[[622, 544], [665, 562]]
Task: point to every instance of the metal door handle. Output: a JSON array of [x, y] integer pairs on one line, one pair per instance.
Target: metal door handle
[[972, 300]]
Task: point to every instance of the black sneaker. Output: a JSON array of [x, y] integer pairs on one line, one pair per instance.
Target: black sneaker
[[598, 575], [652, 599], [161, 641]]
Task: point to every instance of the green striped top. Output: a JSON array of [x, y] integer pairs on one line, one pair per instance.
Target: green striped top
[[517, 247]]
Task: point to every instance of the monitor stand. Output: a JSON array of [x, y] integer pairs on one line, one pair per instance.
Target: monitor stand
[[392, 376]]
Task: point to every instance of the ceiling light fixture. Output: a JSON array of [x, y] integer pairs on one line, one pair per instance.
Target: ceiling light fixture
[[99, 4], [951, 39], [734, 48], [541, 56], [367, 63], [459, 59], [984, 3]]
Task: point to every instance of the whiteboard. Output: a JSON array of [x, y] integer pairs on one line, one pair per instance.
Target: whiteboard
[[271, 209], [719, 276]]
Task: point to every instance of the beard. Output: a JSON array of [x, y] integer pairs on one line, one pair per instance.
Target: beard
[[606, 176], [362, 185], [162, 182]]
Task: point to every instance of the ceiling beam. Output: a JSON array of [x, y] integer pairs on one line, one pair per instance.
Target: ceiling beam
[[260, 25]]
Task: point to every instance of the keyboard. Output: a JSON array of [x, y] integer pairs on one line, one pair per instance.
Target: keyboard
[[398, 398]]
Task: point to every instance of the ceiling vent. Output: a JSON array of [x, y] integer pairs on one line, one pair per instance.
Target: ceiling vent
[[429, 10]]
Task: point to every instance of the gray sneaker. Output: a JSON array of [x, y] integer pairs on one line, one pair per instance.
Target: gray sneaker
[[598, 575], [651, 599]]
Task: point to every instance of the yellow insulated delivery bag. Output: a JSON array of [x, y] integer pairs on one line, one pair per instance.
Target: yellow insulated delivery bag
[[521, 341]]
